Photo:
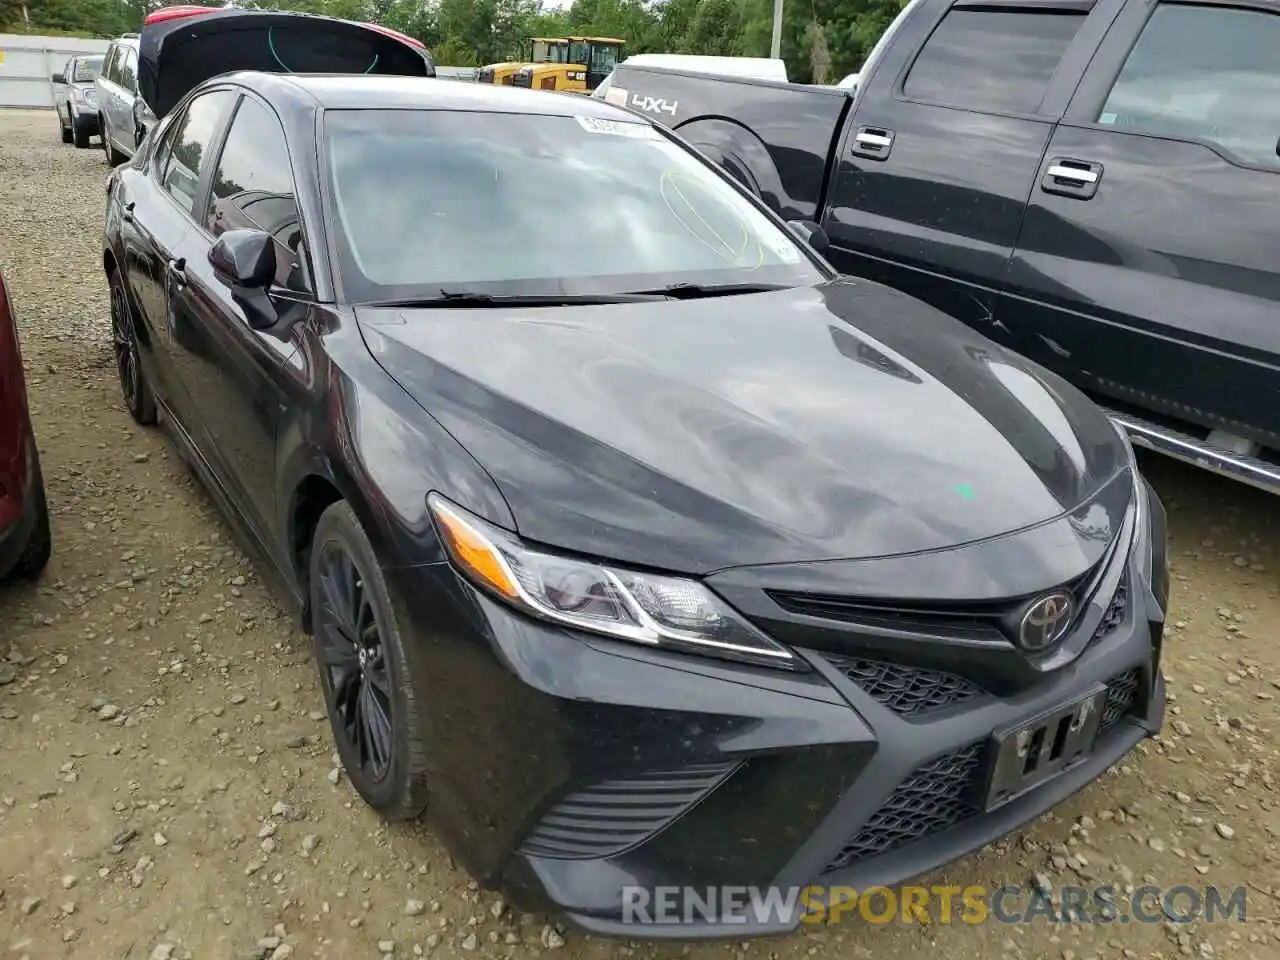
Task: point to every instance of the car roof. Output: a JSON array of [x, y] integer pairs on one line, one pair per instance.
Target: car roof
[[374, 92]]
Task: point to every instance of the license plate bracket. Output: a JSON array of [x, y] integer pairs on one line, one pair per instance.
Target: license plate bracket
[[1028, 754]]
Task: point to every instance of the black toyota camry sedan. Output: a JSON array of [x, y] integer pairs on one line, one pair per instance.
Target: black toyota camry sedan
[[638, 548]]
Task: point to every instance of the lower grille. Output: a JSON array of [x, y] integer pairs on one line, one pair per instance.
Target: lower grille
[[1122, 697], [932, 799], [907, 691], [938, 795], [607, 818]]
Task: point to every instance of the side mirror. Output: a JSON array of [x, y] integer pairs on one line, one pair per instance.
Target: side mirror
[[245, 260], [810, 233], [59, 78]]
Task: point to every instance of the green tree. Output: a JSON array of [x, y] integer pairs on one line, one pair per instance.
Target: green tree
[[714, 29], [11, 15], [455, 53]]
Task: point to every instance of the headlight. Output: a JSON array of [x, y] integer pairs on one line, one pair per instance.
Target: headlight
[[1150, 538], [645, 608]]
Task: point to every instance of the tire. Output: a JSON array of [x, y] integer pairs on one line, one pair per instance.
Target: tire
[[64, 129], [79, 135], [35, 555], [352, 611], [136, 391], [114, 156]]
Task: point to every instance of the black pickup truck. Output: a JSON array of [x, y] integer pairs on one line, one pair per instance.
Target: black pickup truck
[[1094, 184]]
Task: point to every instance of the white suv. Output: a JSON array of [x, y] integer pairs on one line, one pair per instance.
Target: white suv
[[123, 116]]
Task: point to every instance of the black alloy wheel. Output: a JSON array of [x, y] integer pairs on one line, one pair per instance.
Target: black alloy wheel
[[364, 674], [133, 384], [357, 681]]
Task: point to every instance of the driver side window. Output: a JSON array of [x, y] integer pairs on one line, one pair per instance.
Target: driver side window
[[188, 146], [1207, 73], [129, 71], [110, 69], [253, 189]]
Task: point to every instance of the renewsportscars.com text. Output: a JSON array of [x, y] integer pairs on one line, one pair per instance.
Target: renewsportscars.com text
[[1010, 904]]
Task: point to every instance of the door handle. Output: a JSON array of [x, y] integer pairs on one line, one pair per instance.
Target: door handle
[[1072, 178], [177, 270], [127, 216], [874, 143]]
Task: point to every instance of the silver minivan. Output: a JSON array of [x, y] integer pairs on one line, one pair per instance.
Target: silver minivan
[[123, 116]]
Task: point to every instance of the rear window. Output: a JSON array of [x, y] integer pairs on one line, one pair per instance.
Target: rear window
[[995, 60], [527, 204]]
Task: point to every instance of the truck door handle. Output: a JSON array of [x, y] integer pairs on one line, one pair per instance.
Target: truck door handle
[[1072, 178], [874, 143]]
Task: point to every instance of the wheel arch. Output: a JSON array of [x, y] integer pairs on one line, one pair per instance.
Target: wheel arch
[[312, 491]]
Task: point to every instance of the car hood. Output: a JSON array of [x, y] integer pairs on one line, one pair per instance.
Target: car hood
[[176, 55], [843, 421]]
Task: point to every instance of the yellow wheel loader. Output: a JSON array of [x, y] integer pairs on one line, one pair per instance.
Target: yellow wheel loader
[[537, 50], [589, 61]]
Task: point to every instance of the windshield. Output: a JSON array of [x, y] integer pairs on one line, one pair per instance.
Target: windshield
[[526, 204], [544, 52], [87, 70]]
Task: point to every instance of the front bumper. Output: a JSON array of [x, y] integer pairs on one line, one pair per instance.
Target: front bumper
[[570, 768], [19, 513]]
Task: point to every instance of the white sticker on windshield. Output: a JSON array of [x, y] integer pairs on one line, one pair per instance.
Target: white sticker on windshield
[[640, 131], [1107, 118], [784, 249], [617, 96]]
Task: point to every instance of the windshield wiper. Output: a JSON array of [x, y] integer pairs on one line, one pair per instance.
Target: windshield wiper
[[694, 291], [476, 298]]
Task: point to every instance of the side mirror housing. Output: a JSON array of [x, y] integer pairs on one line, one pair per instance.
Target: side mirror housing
[[59, 78], [810, 233], [245, 260]]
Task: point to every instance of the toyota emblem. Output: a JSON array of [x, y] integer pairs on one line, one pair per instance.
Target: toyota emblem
[[1045, 622]]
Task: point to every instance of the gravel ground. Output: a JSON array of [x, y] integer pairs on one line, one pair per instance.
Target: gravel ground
[[167, 782]]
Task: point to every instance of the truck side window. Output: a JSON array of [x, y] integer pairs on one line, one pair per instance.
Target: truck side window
[[993, 60], [1206, 73]]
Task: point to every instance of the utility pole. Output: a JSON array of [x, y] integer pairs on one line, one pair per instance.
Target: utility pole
[[775, 47]]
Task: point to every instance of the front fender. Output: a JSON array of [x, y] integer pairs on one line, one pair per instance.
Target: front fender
[[363, 435]]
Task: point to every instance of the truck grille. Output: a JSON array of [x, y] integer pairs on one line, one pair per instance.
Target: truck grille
[[607, 818]]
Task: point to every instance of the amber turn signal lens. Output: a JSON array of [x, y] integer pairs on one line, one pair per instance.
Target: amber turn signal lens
[[474, 553]]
